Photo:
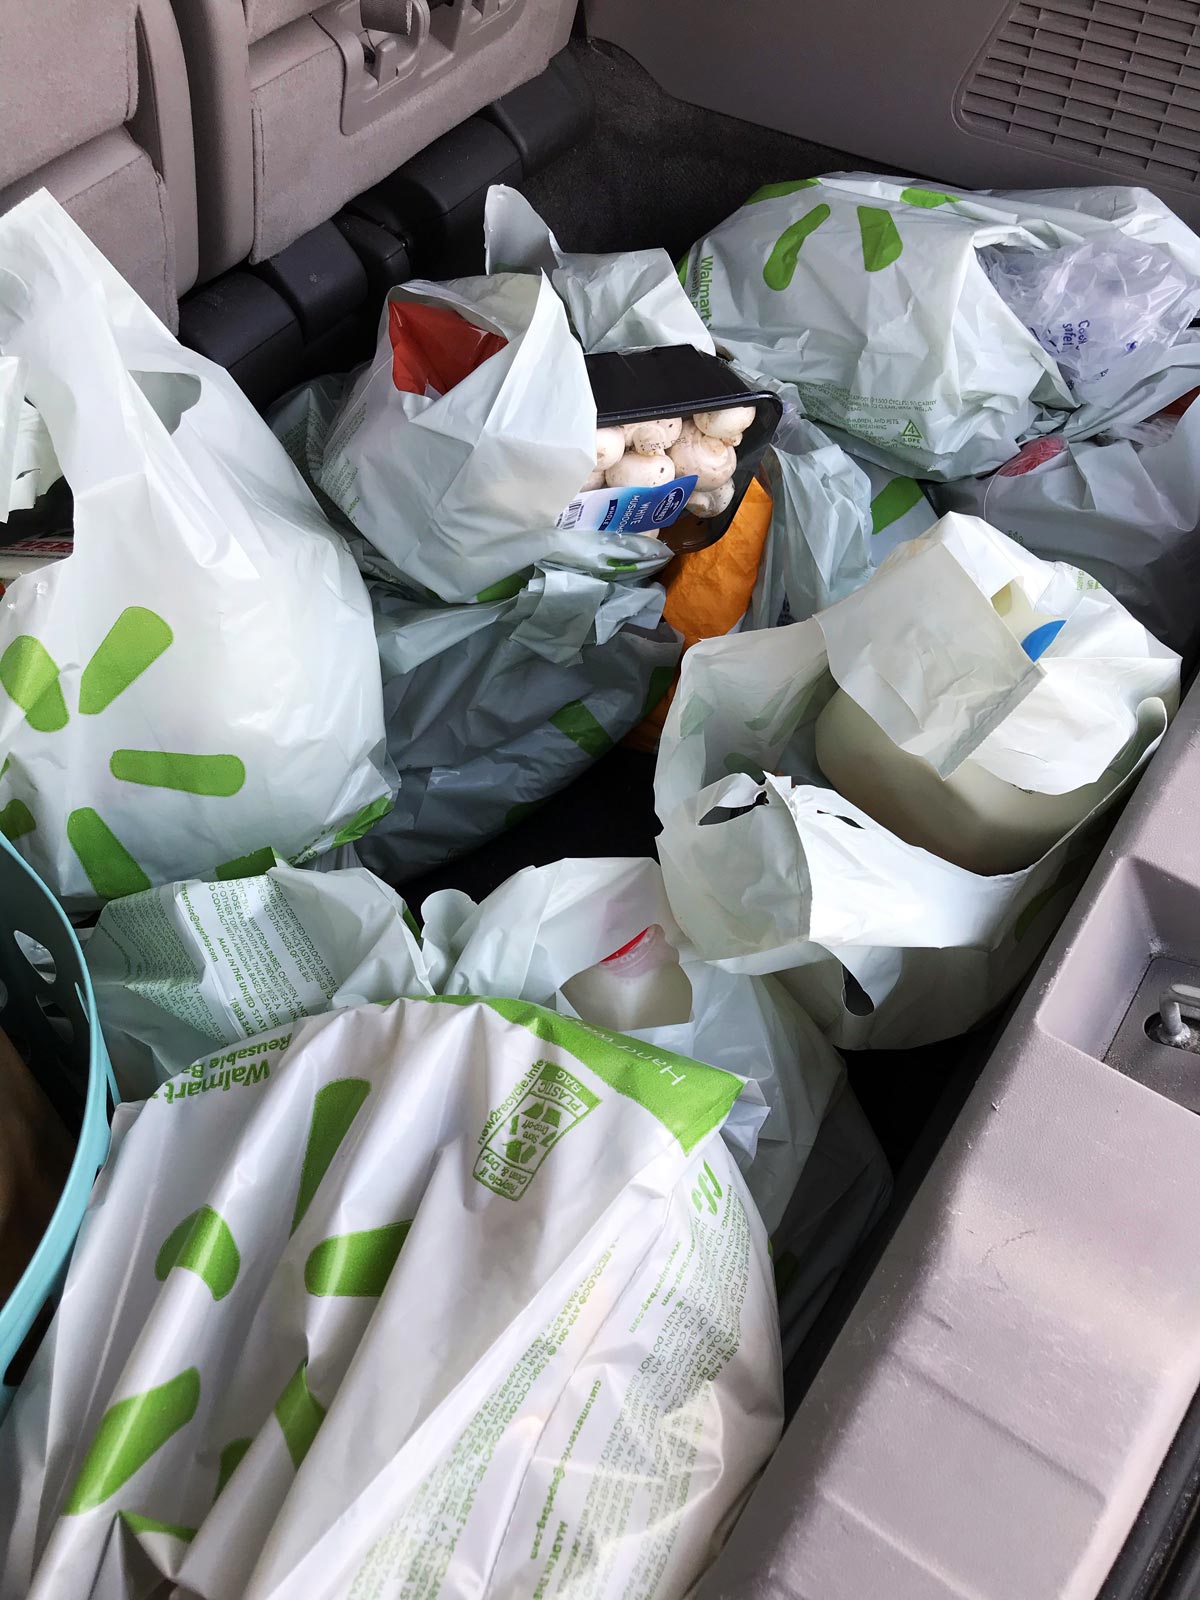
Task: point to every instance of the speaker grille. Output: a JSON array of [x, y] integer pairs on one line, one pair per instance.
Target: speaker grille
[[1110, 81]]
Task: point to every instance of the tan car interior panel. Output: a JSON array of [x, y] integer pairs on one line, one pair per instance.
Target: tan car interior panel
[[335, 97], [112, 143], [213, 33], [986, 93]]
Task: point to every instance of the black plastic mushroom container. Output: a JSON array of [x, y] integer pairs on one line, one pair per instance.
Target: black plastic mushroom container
[[677, 380]]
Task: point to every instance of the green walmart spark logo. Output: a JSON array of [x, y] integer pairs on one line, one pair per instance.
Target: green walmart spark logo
[[30, 675], [879, 236]]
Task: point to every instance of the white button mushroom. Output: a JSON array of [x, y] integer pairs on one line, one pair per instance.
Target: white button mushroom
[[711, 502], [711, 461], [635, 471], [594, 480], [610, 447], [728, 425], [653, 437]]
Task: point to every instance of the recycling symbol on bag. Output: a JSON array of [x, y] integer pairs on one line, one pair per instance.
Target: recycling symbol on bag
[[30, 675], [707, 1191], [518, 1151]]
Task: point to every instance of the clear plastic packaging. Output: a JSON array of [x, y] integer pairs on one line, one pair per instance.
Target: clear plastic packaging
[[1091, 304]]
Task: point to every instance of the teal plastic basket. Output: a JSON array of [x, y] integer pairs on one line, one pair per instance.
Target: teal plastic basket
[[68, 1057]]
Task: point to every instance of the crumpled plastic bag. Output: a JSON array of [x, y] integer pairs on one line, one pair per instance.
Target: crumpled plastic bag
[[1125, 511], [460, 488], [199, 681], [770, 870], [900, 244], [302, 421], [194, 968], [869, 296], [810, 1160], [1151, 377], [1151, 381], [834, 520], [835, 516], [382, 1300], [546, 924], [1060, 217], [493, 707], [28, 465], [189, 968], [630, 300], [1127, 514]]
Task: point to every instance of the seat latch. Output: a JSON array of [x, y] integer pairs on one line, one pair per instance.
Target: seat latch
[[376, 60]]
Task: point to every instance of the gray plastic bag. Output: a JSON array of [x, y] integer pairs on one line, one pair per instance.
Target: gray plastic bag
[[490, 708]]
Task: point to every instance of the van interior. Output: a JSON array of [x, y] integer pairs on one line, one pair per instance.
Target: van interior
[[998, 1395]]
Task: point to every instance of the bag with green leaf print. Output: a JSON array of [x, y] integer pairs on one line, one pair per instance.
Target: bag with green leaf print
[[447, 1298], [198, 683], [869, 296]]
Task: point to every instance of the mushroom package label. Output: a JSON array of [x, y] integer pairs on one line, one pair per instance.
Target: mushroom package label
[[638, 509]]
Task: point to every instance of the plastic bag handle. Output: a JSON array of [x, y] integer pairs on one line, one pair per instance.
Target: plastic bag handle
[[562, 616], [60, 303]]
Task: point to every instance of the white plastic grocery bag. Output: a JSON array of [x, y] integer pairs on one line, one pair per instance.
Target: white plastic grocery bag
[[629, 300], [493, 707], [199, 680], [872, 300], [1112, 286], [1127, 513], [193, 967], [1060, 217], [460, 483], [190, 967], [833, 519], [1149, 383], [817, 544], [770, 870], [450, 1298], [303, 421], [546, 924], [196, 967], [27, 463], [811, 1163]]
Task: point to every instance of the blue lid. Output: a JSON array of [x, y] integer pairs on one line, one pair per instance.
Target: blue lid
[[1039, 641]]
